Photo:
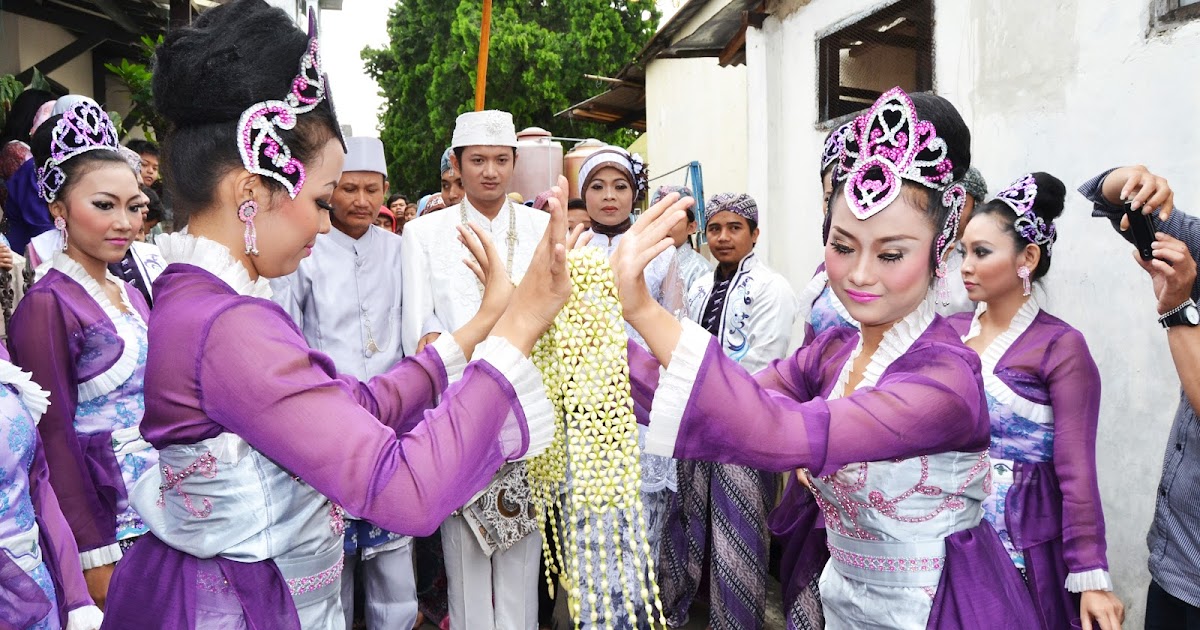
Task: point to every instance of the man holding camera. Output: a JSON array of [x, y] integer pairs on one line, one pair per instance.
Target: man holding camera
[[1173, 600]]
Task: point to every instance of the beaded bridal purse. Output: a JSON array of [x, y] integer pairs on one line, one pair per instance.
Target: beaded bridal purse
[[504, 513]]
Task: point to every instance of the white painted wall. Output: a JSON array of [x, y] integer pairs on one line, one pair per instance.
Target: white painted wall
[[696, 110], [1070, 89]]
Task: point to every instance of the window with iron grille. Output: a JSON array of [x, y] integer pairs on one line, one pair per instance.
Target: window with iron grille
[[1177, 10], [890, 47]]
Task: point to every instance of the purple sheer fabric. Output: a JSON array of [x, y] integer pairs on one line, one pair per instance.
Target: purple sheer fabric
[[63, 337], [220, 362], [258, 586], [980, 585], [1056, 505], [929, 400], [59, 551], [60, 554], [22, 602], [798, 525]]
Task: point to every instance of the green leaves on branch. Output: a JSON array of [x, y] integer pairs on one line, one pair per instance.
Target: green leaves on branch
[[136, 77], [540, 51]]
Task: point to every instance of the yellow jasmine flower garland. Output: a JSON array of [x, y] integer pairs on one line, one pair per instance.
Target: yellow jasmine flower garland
[[584, 365]]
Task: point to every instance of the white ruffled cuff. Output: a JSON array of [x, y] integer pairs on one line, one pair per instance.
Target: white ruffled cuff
[[1094, 580], [85, 618], [527, 382], [100, 556], [675, 389], [452, 358]]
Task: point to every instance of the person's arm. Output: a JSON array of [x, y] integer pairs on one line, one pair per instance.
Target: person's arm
[[40, 340], [58, 548], [1074, 385], [262, 383], [928, 401]]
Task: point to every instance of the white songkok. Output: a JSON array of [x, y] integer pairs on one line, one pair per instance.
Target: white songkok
[[364, 153], [487, 128]]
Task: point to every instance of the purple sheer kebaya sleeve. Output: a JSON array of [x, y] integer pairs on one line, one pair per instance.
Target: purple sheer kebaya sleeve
[[1074, 383], [39, 337], [927, 401], [58, 543], [419, 380], [259, 380]]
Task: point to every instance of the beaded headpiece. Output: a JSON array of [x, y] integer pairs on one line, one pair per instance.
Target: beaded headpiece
[[1020, 196], [833, 145], [83, 127], [741, 204], [885, 145], [262, 149], [631, 164]]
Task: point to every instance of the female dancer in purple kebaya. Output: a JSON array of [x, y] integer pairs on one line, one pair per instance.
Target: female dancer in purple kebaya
[[1043, 394], [259, 439], [890, 419], [81, 332], [41, 582]]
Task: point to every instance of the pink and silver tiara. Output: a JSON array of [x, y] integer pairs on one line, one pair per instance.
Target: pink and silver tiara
[[834, 144], [84, 127], [262, 149], [1020, 196], [885, 145]]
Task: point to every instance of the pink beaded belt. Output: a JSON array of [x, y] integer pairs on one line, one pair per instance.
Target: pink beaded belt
[[888, 563], [315, 577]]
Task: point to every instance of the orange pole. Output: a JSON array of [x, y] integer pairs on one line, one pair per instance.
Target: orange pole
[[485, 36]]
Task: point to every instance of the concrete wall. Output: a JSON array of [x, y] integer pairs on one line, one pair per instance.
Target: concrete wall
[[1070, 90], [27, 41], [697, 110]]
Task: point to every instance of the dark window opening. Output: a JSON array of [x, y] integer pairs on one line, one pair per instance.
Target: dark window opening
[[891, 47], [1179, 10]]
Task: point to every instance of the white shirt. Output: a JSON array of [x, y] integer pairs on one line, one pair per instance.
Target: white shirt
[[756, 319], [345, 297], [440, 292]]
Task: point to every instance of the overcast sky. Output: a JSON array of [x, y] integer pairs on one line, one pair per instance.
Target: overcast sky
[[363, 23], [344, 34]]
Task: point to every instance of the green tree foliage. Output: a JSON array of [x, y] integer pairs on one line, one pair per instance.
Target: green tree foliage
[[540, 52], [136, 76]]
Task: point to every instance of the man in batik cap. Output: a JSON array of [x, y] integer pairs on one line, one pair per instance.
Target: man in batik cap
[[490, 583], [719, 515], [345, 297], [452, 184]]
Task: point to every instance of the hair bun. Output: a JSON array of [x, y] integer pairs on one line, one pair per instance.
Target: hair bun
[[230, 58], [1051, 196]]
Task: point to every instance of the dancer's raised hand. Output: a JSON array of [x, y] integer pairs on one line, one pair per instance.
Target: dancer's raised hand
[[546, 286], [646, 239]]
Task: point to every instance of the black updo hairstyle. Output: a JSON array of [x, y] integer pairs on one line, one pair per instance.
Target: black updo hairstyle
[[1048, 204], [206, 75], [952, 129], [75, 167]]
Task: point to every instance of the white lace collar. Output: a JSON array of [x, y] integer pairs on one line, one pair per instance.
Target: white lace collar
[[896, 341], [1000, 345], [75, 271], [214, 258], [36, 399]]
